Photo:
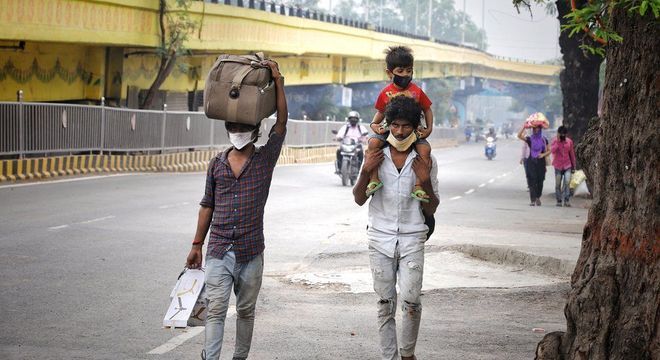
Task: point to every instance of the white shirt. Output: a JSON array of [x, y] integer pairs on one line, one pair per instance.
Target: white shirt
[[354, 132], [394, 216]]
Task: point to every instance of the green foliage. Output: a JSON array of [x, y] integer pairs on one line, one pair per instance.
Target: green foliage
[[178, 27], [593, 18]]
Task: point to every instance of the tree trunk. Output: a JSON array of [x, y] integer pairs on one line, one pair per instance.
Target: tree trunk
[[613, 306], [166, 66], [579, 78], [167, 59]]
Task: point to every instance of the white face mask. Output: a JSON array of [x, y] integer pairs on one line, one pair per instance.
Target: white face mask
[[241, 139], [402, 145]]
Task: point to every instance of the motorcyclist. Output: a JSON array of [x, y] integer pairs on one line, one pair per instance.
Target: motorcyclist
[[491, 133], [352, 130], [468, 133]]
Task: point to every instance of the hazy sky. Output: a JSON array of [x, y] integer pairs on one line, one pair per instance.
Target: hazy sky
[[509, 34], [512, 34]]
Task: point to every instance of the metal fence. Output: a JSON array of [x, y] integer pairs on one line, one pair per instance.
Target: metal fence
[[43, 129]]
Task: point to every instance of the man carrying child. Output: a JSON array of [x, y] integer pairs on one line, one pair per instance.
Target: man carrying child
[[397, 229]]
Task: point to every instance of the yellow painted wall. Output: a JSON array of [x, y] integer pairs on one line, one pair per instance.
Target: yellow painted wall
[[116, 22], [51, 72]]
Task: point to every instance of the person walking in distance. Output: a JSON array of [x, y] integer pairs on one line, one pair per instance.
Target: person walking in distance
[[397, 229], [538, 150], [563, 160], [237, 185]]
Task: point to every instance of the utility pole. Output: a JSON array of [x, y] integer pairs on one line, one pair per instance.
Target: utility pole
[[380, 11], [483, 23], [416, 15], [430, 16], [463, 26]]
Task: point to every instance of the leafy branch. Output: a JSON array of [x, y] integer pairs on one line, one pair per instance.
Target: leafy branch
[[593, 19]]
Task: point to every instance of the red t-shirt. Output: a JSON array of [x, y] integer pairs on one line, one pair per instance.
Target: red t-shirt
[[412, 91]]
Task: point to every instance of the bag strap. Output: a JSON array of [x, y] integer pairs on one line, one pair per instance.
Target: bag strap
[[238, 78]]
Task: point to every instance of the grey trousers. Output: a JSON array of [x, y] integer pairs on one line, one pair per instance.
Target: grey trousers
[[245, 278], [409, 271]]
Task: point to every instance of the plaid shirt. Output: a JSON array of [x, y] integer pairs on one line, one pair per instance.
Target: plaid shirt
[[238, 203]]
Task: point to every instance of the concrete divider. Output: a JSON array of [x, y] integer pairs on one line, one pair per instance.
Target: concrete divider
[[57, 166]]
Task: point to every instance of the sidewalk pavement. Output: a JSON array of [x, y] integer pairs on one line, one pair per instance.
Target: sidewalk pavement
[[459, 323]]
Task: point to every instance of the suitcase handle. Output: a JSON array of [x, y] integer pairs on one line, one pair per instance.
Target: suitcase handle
[[235, 90]]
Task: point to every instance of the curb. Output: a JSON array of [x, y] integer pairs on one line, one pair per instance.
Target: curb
[[58, 166], [546, 265]]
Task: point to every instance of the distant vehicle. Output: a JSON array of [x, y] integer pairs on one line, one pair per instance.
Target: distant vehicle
[[490, 149], [468, 133], [349, 168]]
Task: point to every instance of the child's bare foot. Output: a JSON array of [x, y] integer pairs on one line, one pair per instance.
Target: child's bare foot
[[419, 194], [373, 186]]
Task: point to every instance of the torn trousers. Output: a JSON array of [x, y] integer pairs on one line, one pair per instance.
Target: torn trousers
[[408, 271]]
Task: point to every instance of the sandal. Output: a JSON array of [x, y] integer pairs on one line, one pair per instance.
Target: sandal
[[372, 187], [420, 195]]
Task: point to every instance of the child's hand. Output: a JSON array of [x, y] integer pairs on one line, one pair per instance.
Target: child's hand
[[381, 130], [423, 132]]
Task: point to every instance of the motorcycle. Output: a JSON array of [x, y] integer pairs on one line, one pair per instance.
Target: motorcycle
[[349, 168], [490, 149]]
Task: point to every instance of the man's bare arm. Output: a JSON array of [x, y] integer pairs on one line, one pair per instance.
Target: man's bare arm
[[372, 161], [282, 108]]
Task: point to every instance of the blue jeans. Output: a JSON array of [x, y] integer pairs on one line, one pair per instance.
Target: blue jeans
[[409, 271], [221, 276], [562, 181]]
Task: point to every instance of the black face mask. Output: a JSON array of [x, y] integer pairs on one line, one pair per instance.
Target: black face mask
[[562, 137], [401, 81]]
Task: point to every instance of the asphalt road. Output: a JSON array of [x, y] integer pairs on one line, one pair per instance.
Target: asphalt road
[[88, 265]]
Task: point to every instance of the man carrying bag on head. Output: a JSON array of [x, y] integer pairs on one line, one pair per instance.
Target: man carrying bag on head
[[237, 185]]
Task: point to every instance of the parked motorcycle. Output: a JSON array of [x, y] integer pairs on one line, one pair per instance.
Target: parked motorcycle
[[490, 149], [349, 168]]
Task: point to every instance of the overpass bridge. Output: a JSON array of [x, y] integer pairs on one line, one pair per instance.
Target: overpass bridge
[[65, 50]]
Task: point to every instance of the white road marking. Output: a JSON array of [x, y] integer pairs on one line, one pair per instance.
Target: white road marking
[[190, 333], [97, 219], [67, 180], [455, 198], [177, 340], [58, 227], [469, 192], [491, 181], [482, 185], [505, 174]]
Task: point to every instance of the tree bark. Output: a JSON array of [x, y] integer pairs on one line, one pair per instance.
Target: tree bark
[[167, 59], [613, 306], [166, 66], [578, 79]]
